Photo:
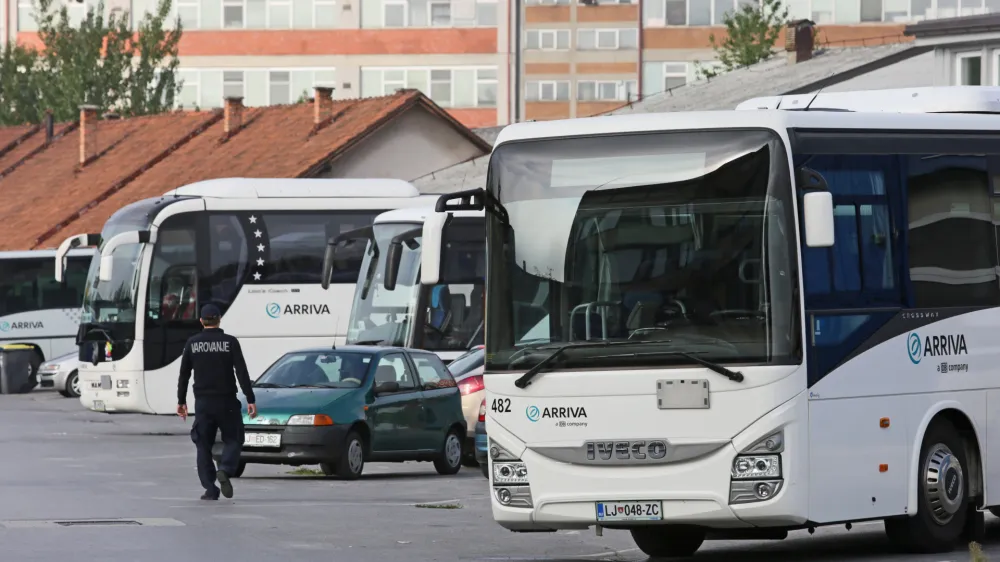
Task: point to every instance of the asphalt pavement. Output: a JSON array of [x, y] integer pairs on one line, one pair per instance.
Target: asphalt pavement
[[78, 485]]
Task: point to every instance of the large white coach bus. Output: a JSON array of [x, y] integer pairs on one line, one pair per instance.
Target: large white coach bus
[[253, 247], [393, 302], [38, 309], [739, 323]]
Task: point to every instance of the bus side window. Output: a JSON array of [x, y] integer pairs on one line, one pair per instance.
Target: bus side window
[[228, 257]]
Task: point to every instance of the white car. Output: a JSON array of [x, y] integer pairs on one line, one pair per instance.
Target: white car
[[61, 374]]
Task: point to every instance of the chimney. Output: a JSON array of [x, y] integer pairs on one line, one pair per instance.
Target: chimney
[[233, 114], [50, 127], [88, 133], [799, 40], [322, 104]]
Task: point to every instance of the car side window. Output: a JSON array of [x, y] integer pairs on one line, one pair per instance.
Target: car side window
[[432, 372], [393, 368]]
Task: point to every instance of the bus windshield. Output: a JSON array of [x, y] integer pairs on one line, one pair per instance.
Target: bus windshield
[[679, 241], [382, 315]]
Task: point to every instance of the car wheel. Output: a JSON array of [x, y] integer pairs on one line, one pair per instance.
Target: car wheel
[[450, 460], [943, 495], [666, 541], [352, 459], [239, 469], [72, 385]]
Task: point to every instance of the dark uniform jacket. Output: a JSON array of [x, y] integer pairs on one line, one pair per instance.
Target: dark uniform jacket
[[215, 356]]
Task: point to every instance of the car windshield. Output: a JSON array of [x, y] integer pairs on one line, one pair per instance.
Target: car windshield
[[380, 314], [328, 369], [680, 241], [467, 362]]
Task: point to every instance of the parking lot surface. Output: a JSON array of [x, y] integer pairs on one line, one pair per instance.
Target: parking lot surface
[[78, 485]]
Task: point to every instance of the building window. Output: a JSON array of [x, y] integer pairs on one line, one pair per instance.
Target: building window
[[26, 16], [486, 14], [675, 75], [547, 90], [970, 69], [189, 12], [607, 39], [441, 87], [279, 87], [547, 39], [232, 84], [324, 14], [606, 90], [545, 2], [440, 14], [279, 14], [486, 87], [190, 92], [394, 14]]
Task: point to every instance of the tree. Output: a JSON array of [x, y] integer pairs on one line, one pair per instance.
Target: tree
[[101, 62], [751, 33]]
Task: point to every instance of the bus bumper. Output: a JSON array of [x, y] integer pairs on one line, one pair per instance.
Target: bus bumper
[[116, 392], [695, 492]]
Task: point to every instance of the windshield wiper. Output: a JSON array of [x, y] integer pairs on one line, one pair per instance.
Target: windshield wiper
[[268, 385], [710, 365], [368, 342], [525, 379]]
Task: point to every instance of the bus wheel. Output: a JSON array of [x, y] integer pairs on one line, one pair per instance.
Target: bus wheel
[[670, 540], [943, 495]]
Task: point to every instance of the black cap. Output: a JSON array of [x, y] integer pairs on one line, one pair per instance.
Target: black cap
[[210, 311]]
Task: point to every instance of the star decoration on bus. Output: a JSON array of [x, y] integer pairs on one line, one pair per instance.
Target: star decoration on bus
[[253, 219], [256, 276], [257, 233], [260, 247], [260, 262]]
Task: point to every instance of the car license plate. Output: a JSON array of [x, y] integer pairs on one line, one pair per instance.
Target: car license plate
[[99, 406], [629, 511], [262, 440]]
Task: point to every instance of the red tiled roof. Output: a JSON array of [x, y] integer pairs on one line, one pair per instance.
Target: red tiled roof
[[50, 195]]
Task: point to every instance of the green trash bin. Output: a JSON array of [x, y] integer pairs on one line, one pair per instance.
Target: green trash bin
[[18, 368]]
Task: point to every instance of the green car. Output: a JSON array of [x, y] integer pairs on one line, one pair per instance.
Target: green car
[[340, 408]]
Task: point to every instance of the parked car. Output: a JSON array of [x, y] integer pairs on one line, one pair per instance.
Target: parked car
[[467, 370], [482, 444], [61, 374], [341, 408]]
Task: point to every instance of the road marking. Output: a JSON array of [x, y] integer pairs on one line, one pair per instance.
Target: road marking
[[54, 523], [260, 504], [568, 557]]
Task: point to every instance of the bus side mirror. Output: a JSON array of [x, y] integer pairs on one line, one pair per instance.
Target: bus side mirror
[[817, 217], [430, 256], [392, 259]]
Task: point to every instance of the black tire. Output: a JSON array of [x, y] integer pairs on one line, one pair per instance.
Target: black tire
[[486, 470], [469, 461], [668, 540], [943, 506], [239, 469], [449, 461], [69, 392], [995, 511], [351, 463]]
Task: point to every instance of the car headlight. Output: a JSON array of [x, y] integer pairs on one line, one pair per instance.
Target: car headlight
[[506, 473], [310, 419], [752, 467], [53, 367]]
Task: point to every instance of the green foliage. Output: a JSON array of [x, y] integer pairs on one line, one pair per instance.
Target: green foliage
[[101, 62], [751, 33], [976, 553]]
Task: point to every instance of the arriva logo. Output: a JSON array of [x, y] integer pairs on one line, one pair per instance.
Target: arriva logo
[[273, 309], [4, 326], [914, 347], [533, 413]]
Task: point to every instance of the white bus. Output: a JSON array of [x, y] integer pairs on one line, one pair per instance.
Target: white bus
[[734, 324], [393, 307], [37, 309], [253, 247]]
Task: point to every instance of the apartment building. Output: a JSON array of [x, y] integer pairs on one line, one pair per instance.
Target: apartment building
[[275, 51]]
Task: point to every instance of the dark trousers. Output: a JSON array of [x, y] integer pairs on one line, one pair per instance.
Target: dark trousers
[[211, 415]]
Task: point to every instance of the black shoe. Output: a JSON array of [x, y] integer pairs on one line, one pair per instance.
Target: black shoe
[[208, 496], [224, 483]]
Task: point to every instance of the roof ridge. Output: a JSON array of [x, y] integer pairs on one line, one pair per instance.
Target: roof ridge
[[23, 137], [39, 149], [120, 184]]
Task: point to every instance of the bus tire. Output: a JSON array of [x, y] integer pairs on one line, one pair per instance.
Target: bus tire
[[942, 493], [668, 540], [995, 511]]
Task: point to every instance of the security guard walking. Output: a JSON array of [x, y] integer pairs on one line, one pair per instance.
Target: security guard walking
[[215, 356]]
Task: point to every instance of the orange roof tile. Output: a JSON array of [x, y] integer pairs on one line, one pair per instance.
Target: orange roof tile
[[49, 195]]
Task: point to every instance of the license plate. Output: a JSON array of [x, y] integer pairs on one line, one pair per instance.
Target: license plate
[[262, 440], [99, 406], [629, 511]]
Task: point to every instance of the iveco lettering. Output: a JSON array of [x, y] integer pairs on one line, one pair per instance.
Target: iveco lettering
[[742, 285], [233, 243]]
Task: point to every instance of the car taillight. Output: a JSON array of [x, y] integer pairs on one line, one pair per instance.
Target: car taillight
[[471, 385], [482, 411]]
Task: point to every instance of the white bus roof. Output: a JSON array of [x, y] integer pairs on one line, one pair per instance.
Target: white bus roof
[[419, 214], [942, 99], [49, 254], [262, 188], [775, 120]]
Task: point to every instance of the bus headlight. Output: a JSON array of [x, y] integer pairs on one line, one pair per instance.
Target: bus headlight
[[509, 477], [756, 471]]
